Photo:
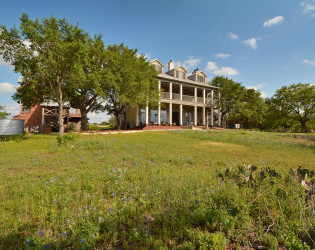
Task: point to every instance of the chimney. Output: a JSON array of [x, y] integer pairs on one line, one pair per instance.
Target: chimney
[[170, 65]]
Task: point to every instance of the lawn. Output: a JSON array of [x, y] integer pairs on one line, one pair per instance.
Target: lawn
[[173, 189]]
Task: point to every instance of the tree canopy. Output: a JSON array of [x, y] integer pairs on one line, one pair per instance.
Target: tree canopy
[[85, 91], [295, 102], [128, 80], [3, 114], [238, 104], [45, 52]]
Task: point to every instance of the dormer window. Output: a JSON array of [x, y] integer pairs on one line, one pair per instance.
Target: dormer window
[[180, 74], [158, 68], [200, 78]]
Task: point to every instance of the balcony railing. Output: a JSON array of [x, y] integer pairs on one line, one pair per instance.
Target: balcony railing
[[176, 96], [165, 95], [200, 99], [188, 98]]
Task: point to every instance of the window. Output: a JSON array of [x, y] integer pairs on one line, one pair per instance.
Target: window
[[158, 68], [180, 74], [201, 79]]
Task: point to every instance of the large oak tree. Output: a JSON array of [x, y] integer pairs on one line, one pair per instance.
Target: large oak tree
[[296, 102], [128, 80], [45, 52]]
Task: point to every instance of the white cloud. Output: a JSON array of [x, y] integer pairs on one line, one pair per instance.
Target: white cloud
[[222, 56], [252, 42], [146, 56], [273, 21], [188, 64], [311, 62], [232, 36], [6, 88], [211, 66], [226, 71], [258, 87], [13, 108], [218, 70]]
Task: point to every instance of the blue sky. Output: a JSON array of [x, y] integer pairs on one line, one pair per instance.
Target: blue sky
[[263, 44]]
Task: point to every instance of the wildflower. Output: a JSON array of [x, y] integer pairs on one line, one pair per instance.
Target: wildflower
[[80, 210], [55, 201], [46, 183], [41, 233], [93, 236], [27, 242], [199, 200], [64, 234], [121, 210], [99, 219], [123, 199], [111, 209], [46, 245], [68, 221], [58, 236], [82, 241], [60, 184]]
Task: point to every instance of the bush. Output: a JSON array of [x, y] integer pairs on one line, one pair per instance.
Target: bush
[[64, 139]]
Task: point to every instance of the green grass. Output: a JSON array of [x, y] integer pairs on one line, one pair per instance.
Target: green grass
[[156, 190]]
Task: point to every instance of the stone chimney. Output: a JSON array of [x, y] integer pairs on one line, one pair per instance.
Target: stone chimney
[[170, 65]]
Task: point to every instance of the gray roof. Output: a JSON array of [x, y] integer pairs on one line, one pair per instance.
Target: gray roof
[[185, 81]]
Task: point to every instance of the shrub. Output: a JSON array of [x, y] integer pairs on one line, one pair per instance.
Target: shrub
[[64, 139]]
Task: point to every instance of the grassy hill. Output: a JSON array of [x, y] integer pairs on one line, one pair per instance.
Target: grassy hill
[[178, 189]]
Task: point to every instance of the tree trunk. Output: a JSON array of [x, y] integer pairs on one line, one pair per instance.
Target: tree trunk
[[303, 126], [84, 120], [60, 103], [118, 119]]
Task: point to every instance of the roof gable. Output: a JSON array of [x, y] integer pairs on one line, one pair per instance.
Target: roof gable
[[157, 61]]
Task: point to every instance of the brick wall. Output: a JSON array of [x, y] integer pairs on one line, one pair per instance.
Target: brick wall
[[32, 118]]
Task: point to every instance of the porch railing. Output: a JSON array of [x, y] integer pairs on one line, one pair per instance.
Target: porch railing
[[165, 95], [188, 98], [176, 96], [200, 99]]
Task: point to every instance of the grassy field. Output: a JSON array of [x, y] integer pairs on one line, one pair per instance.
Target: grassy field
[[177, 189]]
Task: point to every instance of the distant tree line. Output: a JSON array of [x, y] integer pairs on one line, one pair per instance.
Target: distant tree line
[[291, 107], [62, 63]]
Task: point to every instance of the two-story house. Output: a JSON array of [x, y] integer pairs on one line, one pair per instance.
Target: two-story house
[[186, 100]]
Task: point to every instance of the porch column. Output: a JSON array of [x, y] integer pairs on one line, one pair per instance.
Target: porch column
[[181, 92], [159, 107], [171, 90], [195, 94], [159, 114], [211, 117], [204, 116], [137, 116], [170, 115], [195, 115], [204, 96], [146, 115], [219, 115], [212, 102], [181, 114]]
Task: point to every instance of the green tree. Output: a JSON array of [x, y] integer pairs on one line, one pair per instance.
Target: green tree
[[86, 92], [129, 80], [3, 114], [45, 52], [254, 108], [296, 102], [231, 96], [112, 121]]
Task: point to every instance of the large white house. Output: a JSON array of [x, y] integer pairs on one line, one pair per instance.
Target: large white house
[[184, 101]]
